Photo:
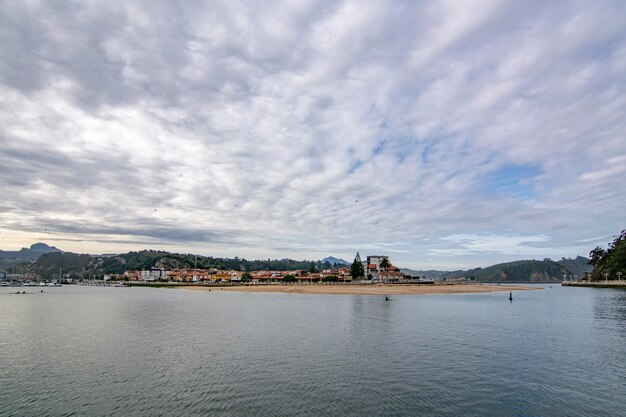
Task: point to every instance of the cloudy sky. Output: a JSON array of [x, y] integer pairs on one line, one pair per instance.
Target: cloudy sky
[[445, 134]]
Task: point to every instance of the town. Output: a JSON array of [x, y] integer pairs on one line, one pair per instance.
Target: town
[[375, 268], [174, 269]]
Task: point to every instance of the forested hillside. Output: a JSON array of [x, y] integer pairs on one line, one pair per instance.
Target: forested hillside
[[609, 261], [82, 266], [525, 270]]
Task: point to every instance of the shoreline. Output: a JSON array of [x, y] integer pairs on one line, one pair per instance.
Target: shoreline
[[597, 284], [376, 289]]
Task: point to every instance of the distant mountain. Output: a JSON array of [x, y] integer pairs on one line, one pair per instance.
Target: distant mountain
[[11, 258], [430, 274], [40, 248], [332, 260], [524, 270]]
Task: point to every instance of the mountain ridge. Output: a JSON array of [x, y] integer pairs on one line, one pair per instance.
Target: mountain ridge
[[30, 254], [332, 260]]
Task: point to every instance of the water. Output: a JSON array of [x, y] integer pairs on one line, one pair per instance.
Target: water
[[139, 351]]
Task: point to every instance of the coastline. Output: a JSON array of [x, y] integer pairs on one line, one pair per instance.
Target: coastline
[[368, 289], [598, 284]]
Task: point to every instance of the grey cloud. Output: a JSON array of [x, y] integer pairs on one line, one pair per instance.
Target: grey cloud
[[243, 124]]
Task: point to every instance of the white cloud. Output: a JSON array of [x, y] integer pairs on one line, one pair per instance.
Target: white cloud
[[254, 130]]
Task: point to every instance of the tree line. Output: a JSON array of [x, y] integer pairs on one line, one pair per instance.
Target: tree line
[[610, 261], [81, 266]]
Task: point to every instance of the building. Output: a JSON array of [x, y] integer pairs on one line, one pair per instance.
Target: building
[[154, 274], [378, 268], [132, 275], [372, 266], [343, 273]]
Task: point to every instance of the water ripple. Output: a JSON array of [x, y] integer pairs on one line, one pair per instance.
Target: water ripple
[[119, 352]]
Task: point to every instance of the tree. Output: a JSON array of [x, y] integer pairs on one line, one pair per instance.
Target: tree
[[246, 277], [611, 261], [356, 270], [384, 264], [596, 255], [289, 278], [312, 268]]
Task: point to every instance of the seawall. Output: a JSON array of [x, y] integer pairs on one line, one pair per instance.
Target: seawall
[[600, 284]]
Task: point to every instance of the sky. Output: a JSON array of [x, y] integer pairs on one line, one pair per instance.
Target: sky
[[447, 134]]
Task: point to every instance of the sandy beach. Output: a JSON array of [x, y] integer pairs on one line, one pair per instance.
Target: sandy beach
[[378, 289]]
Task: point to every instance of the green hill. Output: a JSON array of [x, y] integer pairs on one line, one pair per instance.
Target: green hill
[[82, 266], [517, 271], [520, 271], [578, 266], [77, 265]]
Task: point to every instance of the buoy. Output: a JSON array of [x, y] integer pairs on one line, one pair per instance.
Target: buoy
[[511, 296]]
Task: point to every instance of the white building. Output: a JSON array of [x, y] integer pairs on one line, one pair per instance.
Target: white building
[[153, 274], [372, 266], [376, 269]]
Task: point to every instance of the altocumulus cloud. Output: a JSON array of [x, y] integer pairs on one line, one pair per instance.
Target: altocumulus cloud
[[443, 133]]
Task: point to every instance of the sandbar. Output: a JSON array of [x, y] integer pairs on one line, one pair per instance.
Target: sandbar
[[369, 289]]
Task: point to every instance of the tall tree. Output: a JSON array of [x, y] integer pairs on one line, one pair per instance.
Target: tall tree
[[596, 255], [356, 270], [610, 261], [384, 264]]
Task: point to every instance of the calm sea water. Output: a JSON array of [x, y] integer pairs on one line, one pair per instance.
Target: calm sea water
[[135, 351]]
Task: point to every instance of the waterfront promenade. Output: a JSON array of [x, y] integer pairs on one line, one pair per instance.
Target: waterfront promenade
[[598, 284]]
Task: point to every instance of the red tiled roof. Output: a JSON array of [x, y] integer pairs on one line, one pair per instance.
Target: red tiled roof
[[392, 273]]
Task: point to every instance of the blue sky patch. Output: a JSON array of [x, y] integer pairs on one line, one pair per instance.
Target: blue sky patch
[[379, 147], [513, 180]]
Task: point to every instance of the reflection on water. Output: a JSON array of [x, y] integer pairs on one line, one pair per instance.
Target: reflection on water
[[610, 308], [134, 351]]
